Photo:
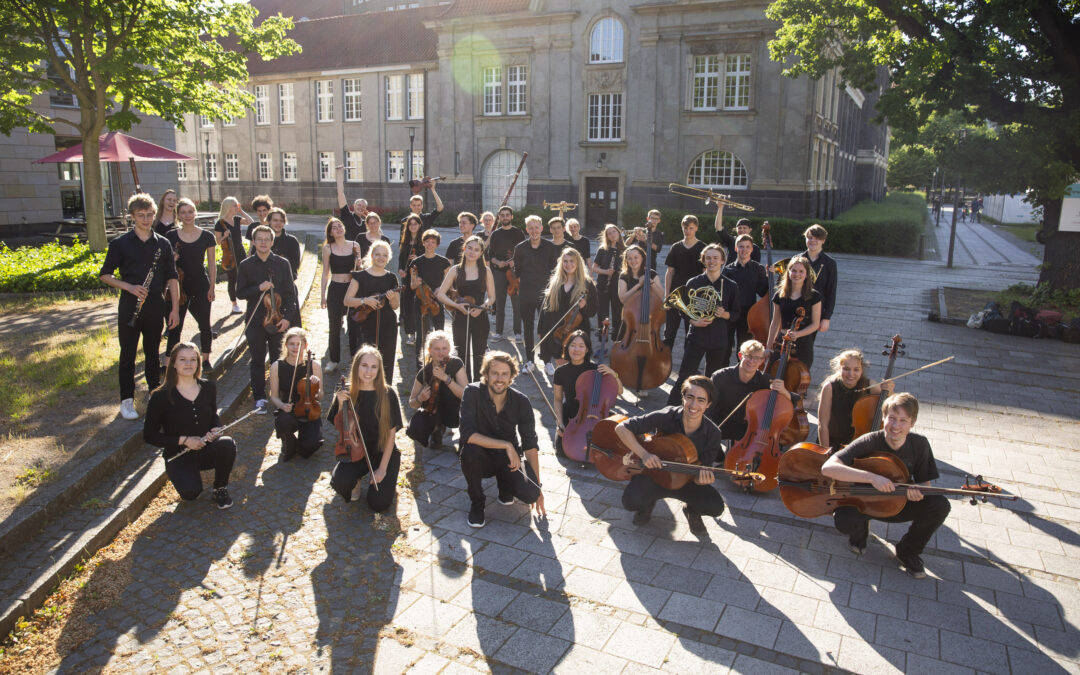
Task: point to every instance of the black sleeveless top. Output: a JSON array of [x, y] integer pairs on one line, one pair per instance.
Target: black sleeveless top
[[474, 288], [341, 264], [285, 381], [843, 401]]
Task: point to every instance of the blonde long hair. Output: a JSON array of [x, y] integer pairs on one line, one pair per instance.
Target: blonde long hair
[[226, 209], [558, 278], [619, 245], [383, 392], [375, 245]]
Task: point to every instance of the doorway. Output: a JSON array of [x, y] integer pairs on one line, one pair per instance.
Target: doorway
[[601, 203]]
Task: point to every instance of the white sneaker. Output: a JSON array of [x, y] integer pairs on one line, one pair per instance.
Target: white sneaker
[[260, 406], [549, 368], [496, 336], [236, 308], [127, 409], [329, 367]]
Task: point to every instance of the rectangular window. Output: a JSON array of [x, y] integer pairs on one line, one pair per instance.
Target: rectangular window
[[326, 166], [706, 86], [605, 117], [492, 91], [288, 166], [262, 104], [737, 82], [286, 113], [205, 121], [351, 89], [232, 166], [324, 97], [395, 166], [181, 170], [228, 122], [265, 170], [418, 163], [517, 90], [354, 166], [211, 167], [416, 96], [393, 97]]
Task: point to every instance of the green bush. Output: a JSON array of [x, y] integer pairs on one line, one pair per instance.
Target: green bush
[[51, 267]]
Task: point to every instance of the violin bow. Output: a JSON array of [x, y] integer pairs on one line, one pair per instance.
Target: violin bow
[[739, 405], [558, 323], [243, 334], [528, 368], [220, 431], [910, 372]]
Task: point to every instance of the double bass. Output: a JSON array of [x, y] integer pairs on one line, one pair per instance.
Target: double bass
[[767, 415], [759, 316], [596, 393], [641, 359], [866, 413], [308, 405]]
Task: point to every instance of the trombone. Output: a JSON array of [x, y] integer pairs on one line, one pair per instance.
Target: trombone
[[707, 195]]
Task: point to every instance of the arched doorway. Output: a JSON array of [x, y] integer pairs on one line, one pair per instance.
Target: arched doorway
[[496, 177]]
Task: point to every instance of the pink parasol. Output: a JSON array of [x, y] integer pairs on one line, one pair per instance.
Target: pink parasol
[[117, 147]]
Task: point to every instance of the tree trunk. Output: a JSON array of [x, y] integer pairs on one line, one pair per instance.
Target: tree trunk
[[1061, 259], [94, 208]]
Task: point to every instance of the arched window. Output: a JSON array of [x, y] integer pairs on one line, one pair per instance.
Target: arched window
[[498, 172], [717, 169], [606, 42]]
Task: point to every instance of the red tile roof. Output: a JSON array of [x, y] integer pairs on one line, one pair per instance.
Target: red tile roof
[[463, 8], [312, 9]]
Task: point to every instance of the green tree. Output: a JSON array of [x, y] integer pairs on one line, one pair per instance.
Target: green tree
[[160, 57], [1012, 63]]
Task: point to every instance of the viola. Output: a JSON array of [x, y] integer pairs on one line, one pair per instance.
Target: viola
[[767, 415], [418, 185], [350, 441], [866, 413], [641, 359], [796, 378], [809, 494], [228, 260], [759, 316], [678, 457], [272, 302], [361, 313], [596, 393], [308, 405], [429, 306]]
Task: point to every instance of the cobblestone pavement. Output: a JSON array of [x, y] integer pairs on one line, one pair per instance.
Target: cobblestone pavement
[[292, 579]]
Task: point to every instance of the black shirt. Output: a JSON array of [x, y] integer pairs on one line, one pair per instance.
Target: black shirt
[[431, 270], [566, 376], [668, 420], [367, 284], [415, 249], [447, 399], [478, 416], [566, 298], [685, 261], [583, 247], [365, 244], [841, 405], [427, 219], [752, 279], [252, 271], [368, 420], [169, 416], [535, 265], [355, 226], [288, 247], [342, 264], [502, 242], [825, 269], [164, 228], [133, 257], [607, 259], [192, 259], [915, 453], [789, 308], [655, 242], [715, 335], [456, 247], [730, 391], [236, 237]]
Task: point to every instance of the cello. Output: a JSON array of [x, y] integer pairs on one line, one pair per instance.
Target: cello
[[767, 415], [308, 405], [596, 393], [866, 413], [641, 359], [759, 316]]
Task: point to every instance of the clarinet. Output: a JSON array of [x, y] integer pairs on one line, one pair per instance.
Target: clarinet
[[146, 285]]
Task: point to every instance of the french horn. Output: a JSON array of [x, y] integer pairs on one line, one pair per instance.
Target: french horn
[[696, 303]]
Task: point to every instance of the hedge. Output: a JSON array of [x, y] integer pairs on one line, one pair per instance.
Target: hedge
[[51, 267]]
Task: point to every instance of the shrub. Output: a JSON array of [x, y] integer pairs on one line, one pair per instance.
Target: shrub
[[51, 267]]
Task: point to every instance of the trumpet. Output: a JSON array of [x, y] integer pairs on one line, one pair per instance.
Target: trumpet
[[697, 303], [707, 195], [562, 207]]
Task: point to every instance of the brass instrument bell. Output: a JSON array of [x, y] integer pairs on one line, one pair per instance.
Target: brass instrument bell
[[696, 303]]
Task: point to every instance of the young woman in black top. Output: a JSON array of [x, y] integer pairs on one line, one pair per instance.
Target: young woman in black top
[[380, 327], [633, 276], [472, 284], [166, 217], [339, 258], [570, 284], [373, 234], [606, 266], [191, 245], [409, 248], [797, 290], [846, 385], [182, 415], [430, 269], [231, 219], [582, 244], [447, 373], [378, 415], [578, 354], [299, 436]]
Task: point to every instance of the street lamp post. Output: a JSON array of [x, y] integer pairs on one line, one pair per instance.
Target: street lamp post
[[412, 139], [209, 185], [941, 199], [957, 203]]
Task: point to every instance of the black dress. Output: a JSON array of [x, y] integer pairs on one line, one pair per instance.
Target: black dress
[[298, 436], [477, 326], [552, 347], [380, 326], [192, 257], [346, 473]]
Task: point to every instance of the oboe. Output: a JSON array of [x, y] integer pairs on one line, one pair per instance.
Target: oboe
[[146, 286]]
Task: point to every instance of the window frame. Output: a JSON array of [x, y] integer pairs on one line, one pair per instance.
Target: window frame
[[284, 98], [736, 166], [517, 90], [352, 97], [264, 166], [742, 82], [232, 166], [494, 87], [354, 174], [611, 119], [327, 166], [617, 32], [393, 100], [391, 156], [324, 99], [211, 167], [286, 164], [262, 105], [410, 91], [181, 170]]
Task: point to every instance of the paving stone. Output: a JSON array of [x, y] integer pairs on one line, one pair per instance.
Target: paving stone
[[482, 634], [585, 628], [982, 655], [863, 657], [586, 555], [688, 656], [499, 559], [907, 636], [532, 612], [430, 617], [749, 664], [850, 622], [542, 571], [731, 592], [806, 642], [582, 659], [484, 597], [748, 626], [532, 651], [642, 645], [692, 611], [591, 585]]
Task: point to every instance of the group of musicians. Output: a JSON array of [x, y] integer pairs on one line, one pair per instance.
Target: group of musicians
[[463, 384]]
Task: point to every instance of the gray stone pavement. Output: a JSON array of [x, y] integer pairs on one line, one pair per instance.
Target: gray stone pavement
[[292, 578], [977, 244]]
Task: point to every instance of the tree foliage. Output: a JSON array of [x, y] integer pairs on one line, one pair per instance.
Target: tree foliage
[[162, 57]]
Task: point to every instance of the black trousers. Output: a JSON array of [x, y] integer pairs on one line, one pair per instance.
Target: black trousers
[[409, 309], [675, 318], [148, 327], [199, 307], [501, 282], [478, 327], [335, 312], [478, 463], [259, 343], [804, 349], [610, 308], [738, 333], [642, 494], [183, 472], [925, 516], [347, 474], [382, 333], [691, 365], [231, 276], [529, 303], [298, 436]]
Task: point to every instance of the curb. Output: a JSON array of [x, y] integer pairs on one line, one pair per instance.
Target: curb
[[143, 489], [943, 311]]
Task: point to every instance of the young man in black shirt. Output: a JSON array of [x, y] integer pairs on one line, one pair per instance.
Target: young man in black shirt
[[467, 226], [355, 219], [416, 207], [699, 496], [581, 243], [261, 205], [534, 261], [500, 254], [285, 245], [430, 269], [141, 254], [557, 228], [926, 513], [734, 383], [824, 272], [753, 283], [683, 261], [650, 237], [493, 416], [259, 273]]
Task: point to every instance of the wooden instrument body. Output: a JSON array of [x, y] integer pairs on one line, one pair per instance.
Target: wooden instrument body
[[361, 313], [350, 442], [612, 465], [308, 405], [759, 317], [596, 393], [796, 379], [866, 413], [418, 185], [809, 494], [641, 358], [228, 260], [272, 302], [431, 405], [767, 415], [429, 306]]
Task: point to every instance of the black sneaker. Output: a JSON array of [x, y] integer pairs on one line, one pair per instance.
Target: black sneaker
[[476, 516], [222, 498], [642, 516], [858, 548], [506, 501], [693, 519], [912, 564]]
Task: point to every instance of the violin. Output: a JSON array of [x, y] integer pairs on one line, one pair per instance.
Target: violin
[[228, 260], [796, 378], [759, 316], [272, 303], [767, 415], [431, 405], [308, 405], [596, 393], [866, 413], [350, 441], [513, 284], [429, 306], [641, 359], [361, 313], [418, 185], [678, 456], [179, 279], [469, 302], [570, 323], [809, 494]]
